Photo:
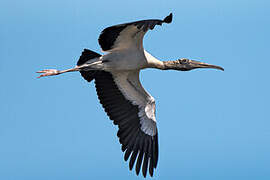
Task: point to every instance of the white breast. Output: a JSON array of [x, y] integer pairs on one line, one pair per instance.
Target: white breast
[[131, 59]]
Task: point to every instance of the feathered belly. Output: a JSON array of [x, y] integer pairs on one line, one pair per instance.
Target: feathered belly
[[124, 60]]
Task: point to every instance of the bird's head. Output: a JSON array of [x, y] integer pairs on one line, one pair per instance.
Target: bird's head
[[187, 65]]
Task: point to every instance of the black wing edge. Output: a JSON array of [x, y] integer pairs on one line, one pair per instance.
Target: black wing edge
[[168, 19], [110, 34], [124, 114], [85, 56]]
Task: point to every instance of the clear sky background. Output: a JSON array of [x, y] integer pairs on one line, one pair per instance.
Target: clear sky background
[[212, 124]]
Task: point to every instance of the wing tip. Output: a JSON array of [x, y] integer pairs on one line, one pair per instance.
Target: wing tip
[[168, 19]]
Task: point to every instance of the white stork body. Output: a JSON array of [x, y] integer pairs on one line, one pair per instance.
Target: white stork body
[[116, 75], [124, 60]]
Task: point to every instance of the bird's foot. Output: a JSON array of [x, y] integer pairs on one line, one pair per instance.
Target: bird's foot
[[48, 72]]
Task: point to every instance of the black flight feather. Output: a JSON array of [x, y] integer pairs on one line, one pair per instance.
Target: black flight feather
[[136, 145]]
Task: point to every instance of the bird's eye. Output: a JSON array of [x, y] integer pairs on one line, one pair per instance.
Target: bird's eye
[[184, 61]]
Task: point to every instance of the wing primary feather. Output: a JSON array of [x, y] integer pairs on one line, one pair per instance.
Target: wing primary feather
[[123, 148], [146, 157], [132, 159], [139, 162], [139, 159], [151, 164], [135, 147], [127, 154], [155, 150], [168, 19], [131, 140], [131, 145]]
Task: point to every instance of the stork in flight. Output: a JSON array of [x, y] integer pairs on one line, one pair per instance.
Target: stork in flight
[[126, 102]]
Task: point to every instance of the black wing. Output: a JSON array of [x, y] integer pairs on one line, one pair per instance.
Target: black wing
[[128, 35], [136, 144]]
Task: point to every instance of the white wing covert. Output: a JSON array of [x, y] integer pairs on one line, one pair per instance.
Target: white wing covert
[[128, 35], [133, 110]]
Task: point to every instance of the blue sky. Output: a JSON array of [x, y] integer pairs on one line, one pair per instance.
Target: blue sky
[[212, 124]]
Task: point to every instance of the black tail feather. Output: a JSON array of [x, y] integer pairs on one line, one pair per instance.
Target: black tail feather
[[87, 55]]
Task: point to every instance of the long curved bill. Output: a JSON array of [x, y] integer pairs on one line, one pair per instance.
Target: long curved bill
[[197, 64]]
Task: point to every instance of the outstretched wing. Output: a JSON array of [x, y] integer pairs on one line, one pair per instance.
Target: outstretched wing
[[128, 35], [133, 110]]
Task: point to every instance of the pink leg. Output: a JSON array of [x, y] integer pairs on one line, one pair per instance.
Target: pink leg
[[48, 72], [53, 72]]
